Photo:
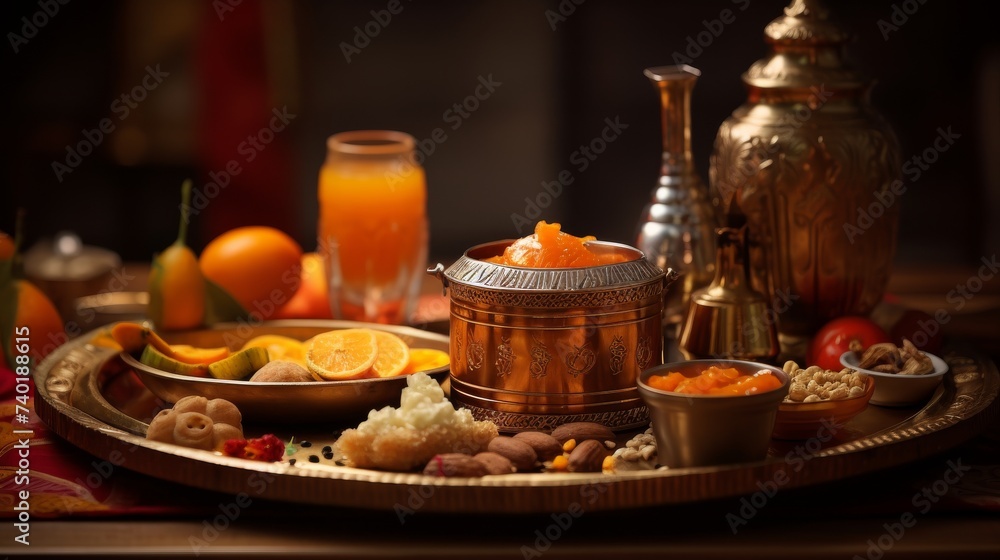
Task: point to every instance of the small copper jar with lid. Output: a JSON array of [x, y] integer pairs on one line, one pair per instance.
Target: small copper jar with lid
[[533, 348]]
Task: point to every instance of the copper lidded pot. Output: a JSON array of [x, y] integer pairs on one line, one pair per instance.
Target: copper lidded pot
[[534, 348]]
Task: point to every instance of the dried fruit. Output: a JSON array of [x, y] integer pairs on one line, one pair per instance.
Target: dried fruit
[[267, 448], [455, 464], [546, 447], [879, 354], [588, 456], [887, 358], [583, 430], [548, 247], [520, 454], [495, 463], [915, 362]]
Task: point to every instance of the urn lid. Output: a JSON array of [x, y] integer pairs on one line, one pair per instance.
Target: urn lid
[[806, 51], [472, 270]]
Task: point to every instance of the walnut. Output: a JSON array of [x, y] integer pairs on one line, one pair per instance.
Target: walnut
[[917, 363], [880, 354]]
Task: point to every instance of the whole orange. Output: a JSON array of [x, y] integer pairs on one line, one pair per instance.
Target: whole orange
[[259, 266], [6, 246], [312, 301], [35, 313]]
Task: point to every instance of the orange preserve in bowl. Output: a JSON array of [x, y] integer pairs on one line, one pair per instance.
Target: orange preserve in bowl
[[715, 380], [550, 247]]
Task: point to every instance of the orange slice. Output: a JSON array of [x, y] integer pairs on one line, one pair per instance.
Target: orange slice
[[425, 359], [342, 354], [393, 355], [280, 348]]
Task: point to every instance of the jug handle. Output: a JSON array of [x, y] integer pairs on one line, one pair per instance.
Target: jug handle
[[438, 272], [669, 276]]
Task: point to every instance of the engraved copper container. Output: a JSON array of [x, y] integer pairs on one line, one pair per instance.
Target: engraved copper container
[[534, 348], [809, 162]]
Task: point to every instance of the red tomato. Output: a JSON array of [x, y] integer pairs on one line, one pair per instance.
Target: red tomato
[[835, 337]]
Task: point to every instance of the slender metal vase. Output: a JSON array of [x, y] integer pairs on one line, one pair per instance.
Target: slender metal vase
[[677, 227]]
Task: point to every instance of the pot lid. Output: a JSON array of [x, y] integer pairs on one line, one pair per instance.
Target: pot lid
[[471, 270]]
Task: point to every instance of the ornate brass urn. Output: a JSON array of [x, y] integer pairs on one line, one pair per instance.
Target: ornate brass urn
[[810, 165]]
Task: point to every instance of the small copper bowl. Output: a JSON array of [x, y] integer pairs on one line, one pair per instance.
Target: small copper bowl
[[534, 348], [703, 430], [801, 420]]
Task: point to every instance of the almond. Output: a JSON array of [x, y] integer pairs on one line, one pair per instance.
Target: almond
[[545, 446], [519, 453], [581, 431], [588, 456], [495, 463], [455, 464]]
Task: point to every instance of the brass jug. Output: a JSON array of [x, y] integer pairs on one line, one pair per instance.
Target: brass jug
[[728, 318], [676, 230], [809, 164]]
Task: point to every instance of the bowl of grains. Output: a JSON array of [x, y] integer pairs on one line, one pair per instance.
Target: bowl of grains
[[819, 399]]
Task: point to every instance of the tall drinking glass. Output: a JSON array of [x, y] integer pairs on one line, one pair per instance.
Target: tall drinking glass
[[373, 225]]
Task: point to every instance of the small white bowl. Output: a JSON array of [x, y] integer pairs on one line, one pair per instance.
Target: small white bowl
[[892, 389]]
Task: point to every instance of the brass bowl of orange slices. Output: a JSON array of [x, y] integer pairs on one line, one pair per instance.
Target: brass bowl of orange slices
[[352, 367]]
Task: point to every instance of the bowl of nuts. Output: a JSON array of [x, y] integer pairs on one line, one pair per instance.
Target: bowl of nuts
[[820, 400], [904, 375]]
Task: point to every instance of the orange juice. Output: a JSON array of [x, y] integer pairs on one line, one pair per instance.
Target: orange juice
[[373, 225]]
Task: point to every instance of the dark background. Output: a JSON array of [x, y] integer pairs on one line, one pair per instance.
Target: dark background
[[229, 68]]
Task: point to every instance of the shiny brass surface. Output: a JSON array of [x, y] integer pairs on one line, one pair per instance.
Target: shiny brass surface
[[878, 438], [677, 226], [729, 319], [534, 348], [807, 160]]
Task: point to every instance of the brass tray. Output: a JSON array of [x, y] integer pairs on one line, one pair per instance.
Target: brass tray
[[77, 384]]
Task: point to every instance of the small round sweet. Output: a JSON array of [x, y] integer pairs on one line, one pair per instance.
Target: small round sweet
[[193, 429], [224, 432], [222, 411], [161, 427], [197, 422], [282, 371], [191, 403]]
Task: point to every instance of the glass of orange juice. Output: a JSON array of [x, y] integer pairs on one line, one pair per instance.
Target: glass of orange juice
[[373, 225]]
